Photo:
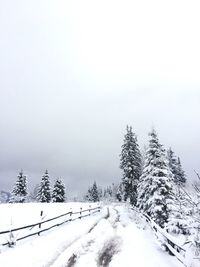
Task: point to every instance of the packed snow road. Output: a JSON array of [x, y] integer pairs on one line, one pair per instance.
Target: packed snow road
[[113, 238], [115, 241]]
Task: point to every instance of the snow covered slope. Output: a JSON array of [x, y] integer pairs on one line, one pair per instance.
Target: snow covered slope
[[112, 238]]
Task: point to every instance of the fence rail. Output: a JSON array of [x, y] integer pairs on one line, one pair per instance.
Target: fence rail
[[11, 240], [171, 243]]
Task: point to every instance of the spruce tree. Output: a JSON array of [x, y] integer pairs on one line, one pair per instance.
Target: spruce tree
[[119, 193], [130, 163], [93, 193], [58, 194], [172, 160], [44, 192], [180, 213], [176, 168], [181, 178], [177, 220], [155, 186], [19, 192], [88, 196]]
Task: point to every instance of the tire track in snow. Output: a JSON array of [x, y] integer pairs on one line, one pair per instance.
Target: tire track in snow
[[106, 217], [108, 249], [54, 259], [72, 260], [111, 247]]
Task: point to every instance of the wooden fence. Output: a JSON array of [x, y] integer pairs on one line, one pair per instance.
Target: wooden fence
[[11, 235], [171, 243]]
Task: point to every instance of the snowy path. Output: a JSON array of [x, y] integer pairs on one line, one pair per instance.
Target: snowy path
[[115, 241], [110, 238]]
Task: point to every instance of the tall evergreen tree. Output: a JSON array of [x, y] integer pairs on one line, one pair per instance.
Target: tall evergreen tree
[[44, 192], [58, 194], [176, 168], [172, 161], [19, 192], [155, 186], [180, 173], [130, 163], [177, 222]]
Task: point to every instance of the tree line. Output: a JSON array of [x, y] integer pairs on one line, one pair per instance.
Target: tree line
[[155, 184], [151, 182], [110, 193], [43, 191]]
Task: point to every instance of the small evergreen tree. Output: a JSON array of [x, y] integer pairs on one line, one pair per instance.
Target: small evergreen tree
[[119, 193], [88, 196], [58, 194], [93, 193], [44, 192], [19, 192], [155, 186], [112, 193], [130, 163], [108, 192], [176, 168], [179, 217]]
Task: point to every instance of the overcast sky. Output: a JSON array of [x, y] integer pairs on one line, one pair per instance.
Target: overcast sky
[[73, 74]]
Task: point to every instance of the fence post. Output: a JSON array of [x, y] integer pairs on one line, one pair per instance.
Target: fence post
[[71, 214], [41, 213], [89, 210], [12, 241], [80, 212]]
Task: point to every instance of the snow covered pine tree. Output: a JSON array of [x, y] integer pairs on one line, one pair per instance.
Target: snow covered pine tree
[[44, 192], [19, 192], [130, 163], [58, 194], [179, 216], [93, 193], [181, 177], [176, 168], [155, 185]]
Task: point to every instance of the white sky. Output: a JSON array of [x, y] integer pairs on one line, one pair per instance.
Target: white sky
[[74, 73]]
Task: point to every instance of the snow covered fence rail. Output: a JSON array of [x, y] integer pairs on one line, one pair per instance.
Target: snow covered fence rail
[[11, 238], [170, 243]]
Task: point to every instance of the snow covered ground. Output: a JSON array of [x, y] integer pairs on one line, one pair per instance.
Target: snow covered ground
[[113, 237]]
